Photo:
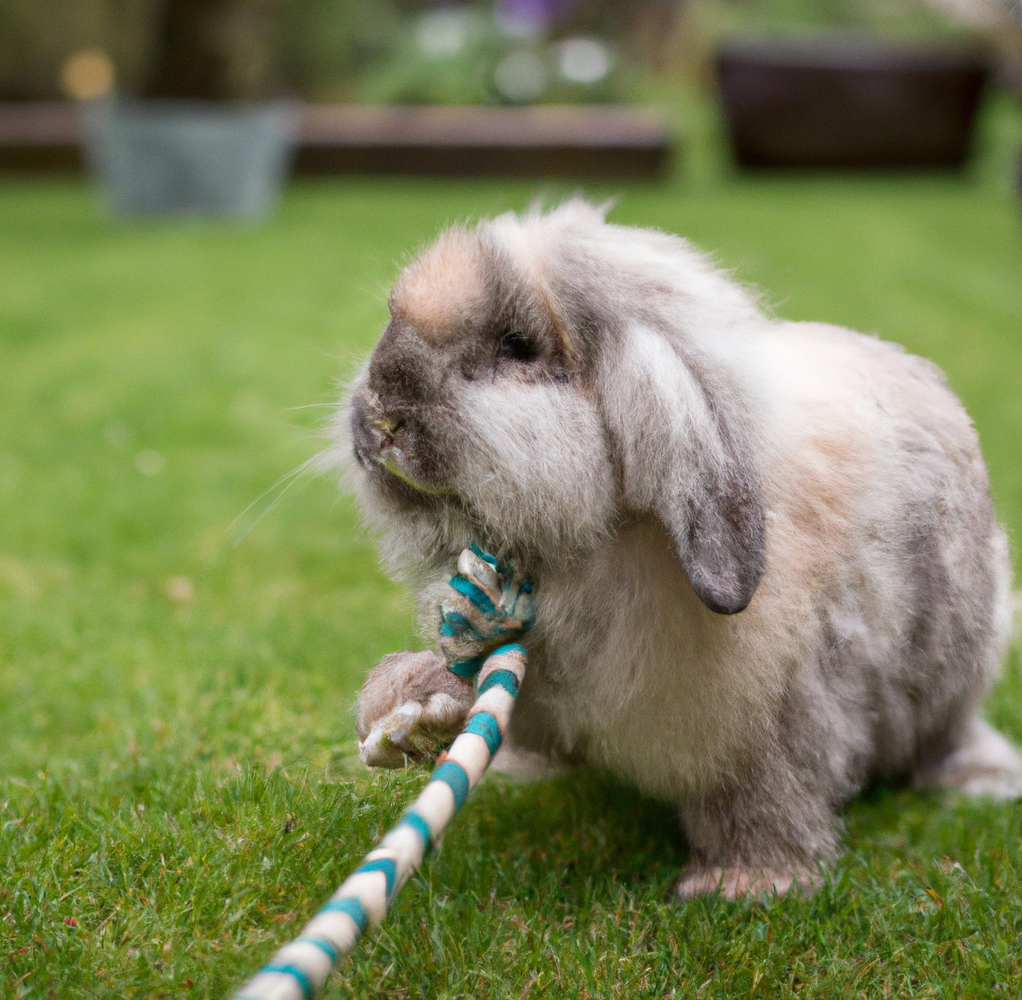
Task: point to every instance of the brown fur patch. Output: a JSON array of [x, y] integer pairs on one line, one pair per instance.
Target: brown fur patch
[[820, 505], [443, 288]]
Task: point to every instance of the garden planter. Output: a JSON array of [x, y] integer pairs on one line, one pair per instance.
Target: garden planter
[[581, 142], [578, 141], [190, 158], [39, 137], [848, 101]]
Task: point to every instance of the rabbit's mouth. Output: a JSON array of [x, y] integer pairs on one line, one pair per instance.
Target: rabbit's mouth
[[388, 460], [394, 449], [392, 460]]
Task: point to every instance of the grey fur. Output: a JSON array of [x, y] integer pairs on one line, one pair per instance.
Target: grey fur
[[605, 407]]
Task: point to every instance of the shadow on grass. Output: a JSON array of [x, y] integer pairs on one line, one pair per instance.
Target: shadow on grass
[[572, 836]]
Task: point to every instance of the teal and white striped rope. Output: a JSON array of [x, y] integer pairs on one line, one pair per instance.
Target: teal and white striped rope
[[299, 970]]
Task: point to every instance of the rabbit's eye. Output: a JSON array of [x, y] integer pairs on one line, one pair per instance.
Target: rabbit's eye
[[514, 344]]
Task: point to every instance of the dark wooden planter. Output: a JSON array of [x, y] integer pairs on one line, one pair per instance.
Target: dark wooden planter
[[40, 137], [580, 142], [848, 101], [585, 142]]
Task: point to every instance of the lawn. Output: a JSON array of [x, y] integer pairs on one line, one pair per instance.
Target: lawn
[[179, 785]]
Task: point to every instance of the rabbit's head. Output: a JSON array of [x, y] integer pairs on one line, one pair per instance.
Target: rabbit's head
[[545, 380]]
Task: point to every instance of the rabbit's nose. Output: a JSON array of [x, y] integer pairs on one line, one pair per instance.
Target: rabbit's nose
[[388, 426], [372, 429]]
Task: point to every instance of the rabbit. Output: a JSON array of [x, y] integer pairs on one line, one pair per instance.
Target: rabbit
[[767, 566]]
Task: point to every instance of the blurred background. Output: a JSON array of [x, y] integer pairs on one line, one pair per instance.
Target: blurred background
[[417, 51], [252, 88]]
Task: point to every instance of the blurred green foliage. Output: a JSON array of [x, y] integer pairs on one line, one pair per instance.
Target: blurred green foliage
[[366, 49], [411, 73], [37, 36], [891, 17]]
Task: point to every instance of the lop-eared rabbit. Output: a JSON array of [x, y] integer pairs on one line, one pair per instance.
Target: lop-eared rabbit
[[767, 566]]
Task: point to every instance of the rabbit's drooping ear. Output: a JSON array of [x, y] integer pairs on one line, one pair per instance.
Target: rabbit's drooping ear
[[686, 459], [719, 534]]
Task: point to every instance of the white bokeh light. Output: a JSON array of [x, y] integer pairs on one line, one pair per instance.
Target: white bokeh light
[[583, 60], [443, 31], [520, 77]]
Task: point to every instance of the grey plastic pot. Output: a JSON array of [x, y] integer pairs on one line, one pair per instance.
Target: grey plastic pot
[[190, 158]]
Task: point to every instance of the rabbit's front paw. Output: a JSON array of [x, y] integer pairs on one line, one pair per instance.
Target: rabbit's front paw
[[410, 708]]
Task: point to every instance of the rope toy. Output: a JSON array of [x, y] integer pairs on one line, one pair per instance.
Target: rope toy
[[490, 605]]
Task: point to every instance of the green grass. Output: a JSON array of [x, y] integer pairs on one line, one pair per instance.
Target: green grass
[[177, 785]]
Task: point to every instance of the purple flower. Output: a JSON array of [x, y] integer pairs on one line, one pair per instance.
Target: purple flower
[[539, 12]]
